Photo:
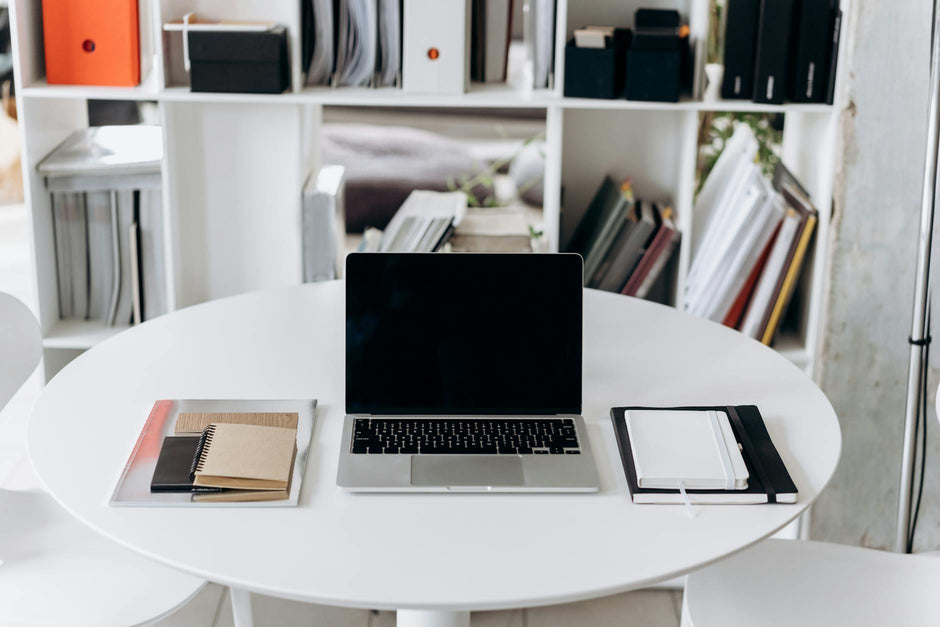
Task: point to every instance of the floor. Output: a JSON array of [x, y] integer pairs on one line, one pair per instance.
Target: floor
[[647, 608]]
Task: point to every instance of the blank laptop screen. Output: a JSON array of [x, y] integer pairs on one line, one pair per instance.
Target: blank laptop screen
[[463, 333]]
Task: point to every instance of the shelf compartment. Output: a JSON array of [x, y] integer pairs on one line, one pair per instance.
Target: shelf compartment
[[79, 334]]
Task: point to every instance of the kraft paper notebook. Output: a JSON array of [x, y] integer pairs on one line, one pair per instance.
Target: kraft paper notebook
[[245, 457]]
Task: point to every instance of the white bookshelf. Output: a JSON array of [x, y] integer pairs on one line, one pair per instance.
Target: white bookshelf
[[235, 163]]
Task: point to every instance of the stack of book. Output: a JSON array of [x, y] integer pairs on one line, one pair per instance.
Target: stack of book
[[626, 243], [222, 457], [747, 256], [423, 224], [497, 230], [203, 452], [362, 43], [781, 49], [108, 223]]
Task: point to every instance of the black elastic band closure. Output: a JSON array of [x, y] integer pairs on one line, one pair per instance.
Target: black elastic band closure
[[753, 454], [924, 342]]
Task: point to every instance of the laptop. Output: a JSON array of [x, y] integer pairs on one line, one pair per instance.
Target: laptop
[[463, 374]]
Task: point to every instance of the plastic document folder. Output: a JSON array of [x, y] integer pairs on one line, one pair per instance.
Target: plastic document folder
[[91, 42]]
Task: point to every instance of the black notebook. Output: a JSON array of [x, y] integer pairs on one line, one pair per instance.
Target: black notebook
[[768, 482], [172, 472]]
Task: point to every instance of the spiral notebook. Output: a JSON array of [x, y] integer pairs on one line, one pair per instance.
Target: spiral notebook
[[244, 457]]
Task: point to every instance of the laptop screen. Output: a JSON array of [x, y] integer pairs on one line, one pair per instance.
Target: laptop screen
[[463, 333]]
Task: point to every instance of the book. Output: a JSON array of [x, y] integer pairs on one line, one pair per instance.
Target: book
[[809, 65], [423, 221], [665, 233], [245, 457], [323, 223], [659, 265], [174, 465], [478, 40], [767, 287], [356, 45], [796, 264], [773, 51], [541, 41], [492, 231], [768, 481], [100, 254], [744, 296], [195, 422], [600, 223], [627, 252], [320, 71], [388, 70], [741, 18], [152, 257], [498, 32], [695, 449]]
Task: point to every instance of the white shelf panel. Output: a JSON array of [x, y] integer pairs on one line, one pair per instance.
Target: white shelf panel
[[794, 350], [497, 96], [79, 334], [147, 90]]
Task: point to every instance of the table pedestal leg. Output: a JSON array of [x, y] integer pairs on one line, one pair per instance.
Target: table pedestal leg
[[432, 618], [241, 607]]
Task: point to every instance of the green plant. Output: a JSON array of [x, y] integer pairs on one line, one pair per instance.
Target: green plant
[[716, 128], [716, 39], [469, 184]]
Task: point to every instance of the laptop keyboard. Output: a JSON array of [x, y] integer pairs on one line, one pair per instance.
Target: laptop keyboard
[[479, 436]]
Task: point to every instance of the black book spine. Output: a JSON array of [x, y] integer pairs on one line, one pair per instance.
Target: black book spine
[[809, 64], [834, 55], [740, 44], [773, 43]]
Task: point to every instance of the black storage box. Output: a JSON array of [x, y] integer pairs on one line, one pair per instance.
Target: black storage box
[[655, 57], [248, 62], [596, 72], [653, 75]]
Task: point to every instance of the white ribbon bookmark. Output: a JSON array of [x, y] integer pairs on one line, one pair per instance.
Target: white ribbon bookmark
[[686, 501]]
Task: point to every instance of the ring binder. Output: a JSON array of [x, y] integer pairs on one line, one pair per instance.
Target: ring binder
[[199, 457]]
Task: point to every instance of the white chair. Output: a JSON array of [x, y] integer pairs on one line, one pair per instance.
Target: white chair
[[790, 582], [810, 584], [54, 570]]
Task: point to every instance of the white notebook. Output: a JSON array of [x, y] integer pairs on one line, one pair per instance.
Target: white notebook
[[694, 448]]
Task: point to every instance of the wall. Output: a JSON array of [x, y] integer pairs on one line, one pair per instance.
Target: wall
[[863, 361]]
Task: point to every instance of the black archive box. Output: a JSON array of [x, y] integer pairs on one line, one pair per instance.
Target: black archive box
[[655, 58], [253, 62], [597, 72]]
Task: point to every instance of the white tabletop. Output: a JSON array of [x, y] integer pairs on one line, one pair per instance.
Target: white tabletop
[[422, 551]]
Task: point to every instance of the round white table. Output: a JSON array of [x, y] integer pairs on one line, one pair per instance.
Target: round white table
[[432, 557]]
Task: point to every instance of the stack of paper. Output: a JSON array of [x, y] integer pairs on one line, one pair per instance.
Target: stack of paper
[[741, 212], [424, 222], [108, 223]]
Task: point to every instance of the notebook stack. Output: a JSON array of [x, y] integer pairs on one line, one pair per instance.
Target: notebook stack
[[626, 243], [229, 457], [708, 455]]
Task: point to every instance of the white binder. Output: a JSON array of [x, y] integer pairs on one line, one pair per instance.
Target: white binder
[[436, 46]]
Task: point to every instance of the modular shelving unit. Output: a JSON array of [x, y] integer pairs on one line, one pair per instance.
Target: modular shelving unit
[[235, 163]]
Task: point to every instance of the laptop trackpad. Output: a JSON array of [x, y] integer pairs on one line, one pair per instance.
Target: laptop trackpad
[[466, 470]]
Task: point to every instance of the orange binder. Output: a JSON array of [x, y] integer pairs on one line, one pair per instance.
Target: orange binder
[[91, 42]]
